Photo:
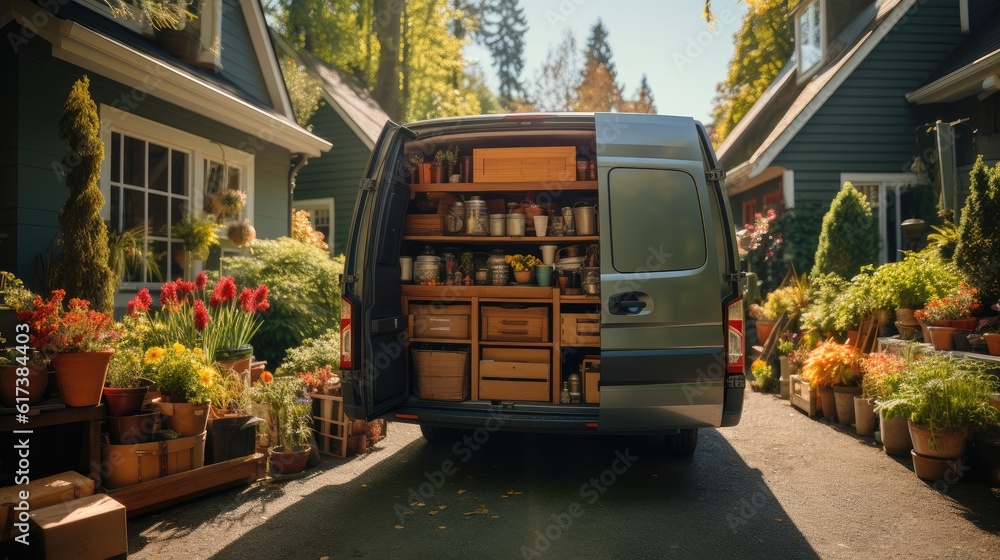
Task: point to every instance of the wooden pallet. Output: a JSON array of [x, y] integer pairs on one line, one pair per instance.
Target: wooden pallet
[[168, 490], [330, 425], [802, 396]]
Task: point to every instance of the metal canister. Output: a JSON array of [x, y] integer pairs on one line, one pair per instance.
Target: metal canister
[[456, 217], [477, 217], [569, 224], [499, 269], [584, 216], [498, 225]]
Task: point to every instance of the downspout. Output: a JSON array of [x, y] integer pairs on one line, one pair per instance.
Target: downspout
[[298, 162]]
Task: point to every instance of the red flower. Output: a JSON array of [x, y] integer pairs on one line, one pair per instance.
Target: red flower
[[168, 297], [260, 299], [140, 303], [224, 291], [199, 281], [201, 317], [184, 288], [247, 300]]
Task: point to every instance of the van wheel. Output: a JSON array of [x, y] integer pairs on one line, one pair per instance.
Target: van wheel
[[434, 434], [683, 443]]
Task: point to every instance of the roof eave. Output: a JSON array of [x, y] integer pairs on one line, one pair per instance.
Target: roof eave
[[962, 83]]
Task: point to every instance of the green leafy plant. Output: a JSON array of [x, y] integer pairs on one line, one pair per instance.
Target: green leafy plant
[[314, 353], [978, 250], [198, 234], [181, 372], [126, 252], [126, 367], [764, 380], [290, 410], [849, 238], [944, 240], [304, 293], [81, 268], [819, 314], [913, 281], [944, 394]]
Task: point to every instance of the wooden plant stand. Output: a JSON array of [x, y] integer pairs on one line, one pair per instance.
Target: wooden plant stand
[[802, 396], [330, 425]]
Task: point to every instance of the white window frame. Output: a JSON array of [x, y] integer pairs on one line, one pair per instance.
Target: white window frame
[[198, 148], [803, 72], [885, 182], [313, 204]]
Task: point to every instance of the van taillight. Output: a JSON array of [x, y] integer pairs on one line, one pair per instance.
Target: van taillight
[[734, 335], [346, 338]]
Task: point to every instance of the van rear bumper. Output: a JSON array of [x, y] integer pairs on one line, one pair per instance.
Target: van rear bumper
[[515, 417]]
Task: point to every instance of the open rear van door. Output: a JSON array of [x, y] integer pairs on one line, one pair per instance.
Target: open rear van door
[[663, 358], [373, 355]]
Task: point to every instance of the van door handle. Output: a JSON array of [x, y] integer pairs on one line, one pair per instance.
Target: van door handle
[[627, 303]]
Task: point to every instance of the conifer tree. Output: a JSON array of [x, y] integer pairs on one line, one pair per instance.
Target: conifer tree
[[82, 267], [849, 238]]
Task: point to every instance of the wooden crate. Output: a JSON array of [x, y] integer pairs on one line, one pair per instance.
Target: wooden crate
[[802, 396], [42, 492], [141, 462], [90, 527], [591, 367], [581, 329], [515, 324], [515, 374], [330, 424], [423, 224], [441, 375], [501, 165], [441, 321]]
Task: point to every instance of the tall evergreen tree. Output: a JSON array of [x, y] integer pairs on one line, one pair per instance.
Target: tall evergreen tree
[[599, 89], [978, 250], [82, 267], [503, 27], [643, 101], [598, 48]]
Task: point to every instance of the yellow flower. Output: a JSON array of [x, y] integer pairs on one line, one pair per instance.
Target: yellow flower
[[197, 351], [206, 376], [155, 355], [179, 348]]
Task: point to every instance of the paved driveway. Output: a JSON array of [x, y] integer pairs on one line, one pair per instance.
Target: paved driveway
[[779, 485]]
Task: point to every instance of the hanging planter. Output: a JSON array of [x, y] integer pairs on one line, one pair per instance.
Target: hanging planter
[[242, 234], [80, 376]]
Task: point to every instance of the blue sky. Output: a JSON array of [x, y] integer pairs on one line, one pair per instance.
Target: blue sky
[[666, 39]]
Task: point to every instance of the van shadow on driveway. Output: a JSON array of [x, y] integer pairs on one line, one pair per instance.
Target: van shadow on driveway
[[510, 496]]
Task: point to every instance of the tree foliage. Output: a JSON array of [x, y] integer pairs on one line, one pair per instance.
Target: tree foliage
[[849, 238], [502, 32], [559, 76], [978, 249], [304, 91], [764, 44], [82, 267], [643, 101]]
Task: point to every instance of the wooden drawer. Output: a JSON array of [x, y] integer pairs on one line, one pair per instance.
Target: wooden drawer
[[525, 324], [514, 370], [581, 329], [423, 224], [434, 321], [557, 163], [514, 390]]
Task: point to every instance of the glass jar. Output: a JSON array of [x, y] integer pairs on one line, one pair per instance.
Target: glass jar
[[477, 217], [575, 388], [427, 269], [569, 224], [449, 264], [499, 269], [483, 276]]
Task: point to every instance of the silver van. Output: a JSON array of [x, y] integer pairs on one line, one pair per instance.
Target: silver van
[[649, 339]]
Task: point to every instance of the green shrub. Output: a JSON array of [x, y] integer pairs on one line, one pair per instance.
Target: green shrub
[[822, 294], [978, 249], [304, 293], [849, 238], [913, 281], [82, 267], [315, 353]]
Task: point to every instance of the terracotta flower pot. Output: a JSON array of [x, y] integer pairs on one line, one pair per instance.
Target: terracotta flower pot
[[81, 375], [945, 445], [884, 317], [844, 401], [764, 329], [933, 468], [288, 462], [124, 401], [852, 337], [965, 324], [864, 416], [38, 382], [895, 435], [523, 276], [993, 343], [187, 419], [925, 331], [127, 430], [829, 402], [941, 337], [905, 315]]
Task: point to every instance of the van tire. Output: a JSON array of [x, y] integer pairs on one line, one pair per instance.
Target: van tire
[[683, 443], [434, 434]]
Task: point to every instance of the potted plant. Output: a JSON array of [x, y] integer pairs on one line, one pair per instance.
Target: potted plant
[[230, 203], [233, 322], [912, 282], [242, 233], [197, 231], [875, 369], [231, 428], [183, 376], [522, 265], [948, 314], [125, 387], [22, 358], [786, 345], [763, 376], [819, 314], [289, 422], [834, 369], [942, 398], [80, 341]]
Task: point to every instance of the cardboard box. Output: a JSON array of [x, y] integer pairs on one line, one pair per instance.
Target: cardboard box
[[517, 165], [43, 492], [91, 527]]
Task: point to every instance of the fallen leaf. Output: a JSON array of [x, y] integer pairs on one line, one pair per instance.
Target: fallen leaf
[[399, 526], [364, 486], [442, 507], [395, 497], [494, 517], [778, 519], [461, 491], [510, 492], [503, 496], [518, 493], [433, 512], [441, 527], [324, 558]]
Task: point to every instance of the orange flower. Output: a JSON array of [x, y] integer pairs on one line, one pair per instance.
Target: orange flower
[[266, 377]]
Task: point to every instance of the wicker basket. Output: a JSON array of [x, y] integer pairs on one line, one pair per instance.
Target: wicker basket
[[442, 375]]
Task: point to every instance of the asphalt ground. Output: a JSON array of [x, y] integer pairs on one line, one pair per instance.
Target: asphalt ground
[[779, 485]]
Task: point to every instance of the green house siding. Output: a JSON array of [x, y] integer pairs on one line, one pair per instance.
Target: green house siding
[[42, 83], [336, 174], [8, 166], [867, 126], [239, 59]]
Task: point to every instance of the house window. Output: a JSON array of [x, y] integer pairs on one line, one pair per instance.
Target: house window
[[320, 216], [894, 198], [749, 209], [809, 36], [773, 200], [154, 176]]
